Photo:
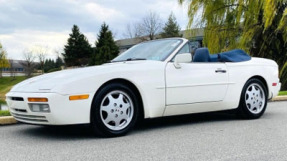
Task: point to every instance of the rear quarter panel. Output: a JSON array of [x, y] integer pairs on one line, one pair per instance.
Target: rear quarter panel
[[240, 73]]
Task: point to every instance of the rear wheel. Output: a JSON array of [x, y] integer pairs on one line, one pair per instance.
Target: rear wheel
[[253, 100], [114, 110]]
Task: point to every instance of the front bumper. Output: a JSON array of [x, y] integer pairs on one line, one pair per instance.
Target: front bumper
[[62, 110]]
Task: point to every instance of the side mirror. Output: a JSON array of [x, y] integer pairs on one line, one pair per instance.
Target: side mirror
[[182, 58]]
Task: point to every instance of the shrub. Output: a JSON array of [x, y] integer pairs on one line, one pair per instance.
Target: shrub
[[53, 70]]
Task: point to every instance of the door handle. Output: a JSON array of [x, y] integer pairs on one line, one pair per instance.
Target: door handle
[[220, 71]]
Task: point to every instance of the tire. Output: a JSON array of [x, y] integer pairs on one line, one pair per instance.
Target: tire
[[114, 111], [253, 99]]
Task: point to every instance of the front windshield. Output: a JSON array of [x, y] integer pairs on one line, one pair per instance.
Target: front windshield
[[151, 50]]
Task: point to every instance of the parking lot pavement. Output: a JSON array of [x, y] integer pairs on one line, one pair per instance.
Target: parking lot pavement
[[213, 136]]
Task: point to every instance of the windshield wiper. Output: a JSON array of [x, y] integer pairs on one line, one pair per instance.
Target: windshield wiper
[[131, 59], [128, 59]]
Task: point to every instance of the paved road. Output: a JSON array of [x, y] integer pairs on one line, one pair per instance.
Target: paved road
[[216, 136]]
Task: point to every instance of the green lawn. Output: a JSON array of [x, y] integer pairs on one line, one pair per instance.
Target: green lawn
[[282, 93], [2, 102], [6, 83], [5, 113]]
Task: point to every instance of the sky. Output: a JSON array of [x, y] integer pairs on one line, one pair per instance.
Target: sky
[[25, 24]]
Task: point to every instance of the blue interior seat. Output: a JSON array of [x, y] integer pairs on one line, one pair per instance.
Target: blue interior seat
[[201, 55]]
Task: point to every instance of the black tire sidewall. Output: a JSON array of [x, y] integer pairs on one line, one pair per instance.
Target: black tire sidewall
[[243, 109], [96, 122]]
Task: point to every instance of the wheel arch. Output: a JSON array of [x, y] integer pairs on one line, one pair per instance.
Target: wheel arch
[[241, 110], [262, 79], [130, 85]]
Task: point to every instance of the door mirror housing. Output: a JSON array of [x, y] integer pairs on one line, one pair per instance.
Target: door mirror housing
[[182, 58]]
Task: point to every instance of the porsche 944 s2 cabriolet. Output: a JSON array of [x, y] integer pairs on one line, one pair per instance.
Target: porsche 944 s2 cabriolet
[[152, 79]]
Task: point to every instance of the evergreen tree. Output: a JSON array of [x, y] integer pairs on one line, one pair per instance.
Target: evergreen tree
[[171, 28], [59, 62], [48, 65], [106, 48], [78, 50], [51, 65]]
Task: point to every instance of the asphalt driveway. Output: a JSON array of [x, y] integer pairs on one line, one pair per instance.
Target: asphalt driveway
[[215, 136]]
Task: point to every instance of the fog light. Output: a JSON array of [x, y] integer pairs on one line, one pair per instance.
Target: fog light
[[39, 107]]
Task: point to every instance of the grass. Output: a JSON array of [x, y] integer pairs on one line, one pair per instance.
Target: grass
[[2, 102], [5, 113], [6, 83], [282, 93]]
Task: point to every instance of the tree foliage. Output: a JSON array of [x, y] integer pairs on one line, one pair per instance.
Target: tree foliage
[[283, 75], [257, 26], [4, 63], [106, 48], [78, 50], [171, 28]]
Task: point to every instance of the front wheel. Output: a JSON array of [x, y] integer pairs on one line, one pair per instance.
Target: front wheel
[[114, 110], [253, 100]]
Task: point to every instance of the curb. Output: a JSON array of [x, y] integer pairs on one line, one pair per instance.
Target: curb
[[6, 120], [280, 98]]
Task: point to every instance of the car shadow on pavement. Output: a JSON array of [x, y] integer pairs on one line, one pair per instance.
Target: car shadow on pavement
[[74, 132], [189, 119], [70, 132]]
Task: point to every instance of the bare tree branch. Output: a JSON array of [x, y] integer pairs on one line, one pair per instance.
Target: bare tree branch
[[40, 52], [28, 63], [151, 25], [147, 29], [12, 68], [129, 33]]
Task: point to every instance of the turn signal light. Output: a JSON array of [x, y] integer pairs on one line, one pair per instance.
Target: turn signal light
[[79, 97], [38, 99]]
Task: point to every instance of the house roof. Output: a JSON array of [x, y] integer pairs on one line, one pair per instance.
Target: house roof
[[16, 63]]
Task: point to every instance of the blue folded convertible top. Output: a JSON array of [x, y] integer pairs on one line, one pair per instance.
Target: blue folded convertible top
[[236, 55]]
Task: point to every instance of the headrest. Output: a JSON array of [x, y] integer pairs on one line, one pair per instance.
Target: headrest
[[201, 55]]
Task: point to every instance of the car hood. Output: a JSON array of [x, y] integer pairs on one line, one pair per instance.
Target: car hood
[[48, 82]]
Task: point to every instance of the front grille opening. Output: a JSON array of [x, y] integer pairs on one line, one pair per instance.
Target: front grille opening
[[31, 118], [17, 98], [20, 110]]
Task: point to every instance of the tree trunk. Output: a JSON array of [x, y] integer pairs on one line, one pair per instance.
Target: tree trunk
[[1, 72]]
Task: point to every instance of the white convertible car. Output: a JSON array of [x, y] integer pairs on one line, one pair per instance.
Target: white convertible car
[[152, 79]]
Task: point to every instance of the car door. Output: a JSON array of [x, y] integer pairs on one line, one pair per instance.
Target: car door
[[196, 82]]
